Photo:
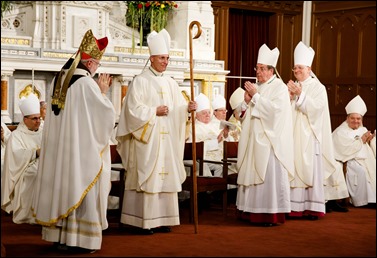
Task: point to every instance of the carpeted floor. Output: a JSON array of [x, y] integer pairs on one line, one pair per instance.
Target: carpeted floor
[[351, 234]]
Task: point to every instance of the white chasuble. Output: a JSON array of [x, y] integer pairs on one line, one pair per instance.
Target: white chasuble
[[266, 128], [75, 166], [20, 172], [155, 166]]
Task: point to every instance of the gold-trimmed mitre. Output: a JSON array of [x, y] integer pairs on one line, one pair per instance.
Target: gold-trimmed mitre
[[91, 47]]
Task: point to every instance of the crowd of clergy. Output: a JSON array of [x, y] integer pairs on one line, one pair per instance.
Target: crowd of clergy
[[291, 163]]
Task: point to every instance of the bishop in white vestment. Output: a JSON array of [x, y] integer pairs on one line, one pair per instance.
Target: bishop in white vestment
[[151, 139], [265, 149], [318, 177], [21, 163], [73, 181], [353, 144]]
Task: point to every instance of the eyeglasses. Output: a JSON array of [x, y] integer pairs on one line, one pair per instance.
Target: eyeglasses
[[298, 68], [34, 118], [98, 63], [262, 69], [221, 110]]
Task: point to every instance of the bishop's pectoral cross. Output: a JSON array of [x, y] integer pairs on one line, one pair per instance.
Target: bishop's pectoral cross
[[162, 93], [163, 173], [163, 132]]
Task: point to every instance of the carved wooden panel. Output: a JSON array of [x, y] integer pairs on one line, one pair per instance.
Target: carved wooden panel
[[330, 88], [324, 44], [290, 29], [264, 6], [344, 93], [344, 38], [337, 120], [285, 25], [368, 46], [368, 93], [348, 38], [343, 35]]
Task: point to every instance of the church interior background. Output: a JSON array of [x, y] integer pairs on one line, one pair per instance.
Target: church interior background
[[38, 37]]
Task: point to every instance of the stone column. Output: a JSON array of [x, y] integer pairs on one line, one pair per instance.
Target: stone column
[[207, 89], [120, 86], [124, 89], [5, 96], [124, 82]]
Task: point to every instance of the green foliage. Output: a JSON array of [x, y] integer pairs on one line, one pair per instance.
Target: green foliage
[[6, 6], [148, 13]]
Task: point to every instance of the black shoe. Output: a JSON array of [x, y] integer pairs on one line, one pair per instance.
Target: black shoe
[[72, 249], [144, 231], [162, 229], [328, 209], [337, 207], [61, 247], [80, 250], [266, 225]]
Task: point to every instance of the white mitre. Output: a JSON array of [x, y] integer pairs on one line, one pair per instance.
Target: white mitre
[[29, 105], [356, 105], [203, 102], [303, 55], [218, 102], [236, 98], [267, 56], [159, 43]]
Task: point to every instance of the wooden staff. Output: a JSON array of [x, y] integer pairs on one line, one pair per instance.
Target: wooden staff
[[193, 176]]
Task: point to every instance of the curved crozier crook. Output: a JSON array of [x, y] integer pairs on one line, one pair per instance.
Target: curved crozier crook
[[199, 32]]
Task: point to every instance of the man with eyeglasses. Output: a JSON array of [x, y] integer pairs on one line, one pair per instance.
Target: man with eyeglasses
[[265, 149], [21, 163], [73, 182], [318, 177]]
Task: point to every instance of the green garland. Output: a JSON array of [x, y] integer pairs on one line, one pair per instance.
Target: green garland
[[6, 6], [153, 12]]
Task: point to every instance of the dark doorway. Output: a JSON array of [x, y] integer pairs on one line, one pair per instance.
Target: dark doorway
[[248, 30]]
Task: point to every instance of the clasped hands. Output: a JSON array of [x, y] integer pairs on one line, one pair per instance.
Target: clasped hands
[[162, 110], [104, 81], [367, 137]]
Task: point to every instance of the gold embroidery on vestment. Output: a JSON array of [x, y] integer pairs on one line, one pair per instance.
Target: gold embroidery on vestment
[[163, 132], [163, 173]]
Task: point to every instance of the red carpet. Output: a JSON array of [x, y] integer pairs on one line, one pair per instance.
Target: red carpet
[[351, 234]]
